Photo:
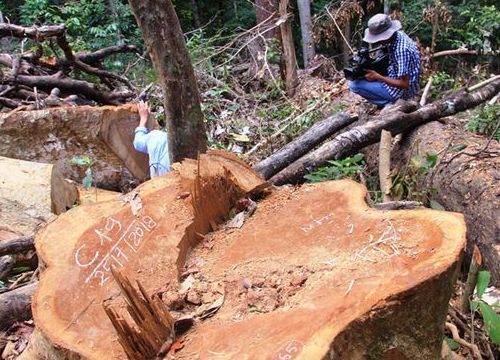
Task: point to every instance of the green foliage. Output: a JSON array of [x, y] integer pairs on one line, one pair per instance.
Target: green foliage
[[91, 24], [452, 343], [410, 183], [485, 121], [490, 317], [338, 169], [482, 29]]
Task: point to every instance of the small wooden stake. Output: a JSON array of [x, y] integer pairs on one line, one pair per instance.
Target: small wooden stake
[[470, 284], [384, 165]]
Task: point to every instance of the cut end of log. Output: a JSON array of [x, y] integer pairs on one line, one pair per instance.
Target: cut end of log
[[314, 271]]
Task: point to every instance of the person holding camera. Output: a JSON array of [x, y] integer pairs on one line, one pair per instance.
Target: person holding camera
[[154, 143], [403, 73]]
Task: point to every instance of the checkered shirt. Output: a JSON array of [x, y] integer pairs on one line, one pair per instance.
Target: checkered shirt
[[404, 60]]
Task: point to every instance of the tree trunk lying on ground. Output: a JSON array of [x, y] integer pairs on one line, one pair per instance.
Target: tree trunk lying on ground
[[33, 191], [313, 272], [105, 134], [466, 181], [349, 142], [314, 136], [15, 305], [300, 146]]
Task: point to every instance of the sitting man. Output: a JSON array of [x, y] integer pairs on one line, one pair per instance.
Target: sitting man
[[154, 143], [404, 64]]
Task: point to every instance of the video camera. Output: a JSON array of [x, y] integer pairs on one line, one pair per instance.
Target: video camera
[[363, 61]]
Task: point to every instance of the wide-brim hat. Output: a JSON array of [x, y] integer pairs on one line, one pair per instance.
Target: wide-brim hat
[[380, 28]]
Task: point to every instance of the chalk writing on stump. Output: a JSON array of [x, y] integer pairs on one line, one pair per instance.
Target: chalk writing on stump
[[125, 241]]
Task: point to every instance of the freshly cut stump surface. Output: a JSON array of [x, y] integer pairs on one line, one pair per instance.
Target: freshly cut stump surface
[[314, 273]]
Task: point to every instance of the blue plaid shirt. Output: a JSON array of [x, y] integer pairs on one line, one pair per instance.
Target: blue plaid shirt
[[404, 60]]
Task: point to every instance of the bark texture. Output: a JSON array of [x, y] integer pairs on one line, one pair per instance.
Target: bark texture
[[164, 39], [466, 181], [349, 142], [301, 145], [308, 51], [290, 59], [15, 305]]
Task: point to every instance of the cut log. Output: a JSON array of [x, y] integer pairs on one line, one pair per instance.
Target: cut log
[[32, 191], [80, 247], [57, 135], [466, 181], [300, 146], [15, 305], [314, 273], [18, 245], [349, 142]]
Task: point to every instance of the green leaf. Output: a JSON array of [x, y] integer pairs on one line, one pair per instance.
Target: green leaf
[[474, 305], [491, 322], [452, 343], [483, 279], [435, 205], [87, 180], [431, 159]]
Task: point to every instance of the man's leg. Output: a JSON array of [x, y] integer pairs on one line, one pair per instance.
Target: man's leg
[[373, 91]]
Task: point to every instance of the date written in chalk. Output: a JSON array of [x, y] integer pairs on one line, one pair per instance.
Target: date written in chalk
[[111, 244], [290, 351]]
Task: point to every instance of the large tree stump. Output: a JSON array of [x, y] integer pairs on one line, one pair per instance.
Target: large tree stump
[[313, 274], [80, 247], [30, 193], [57, 135]]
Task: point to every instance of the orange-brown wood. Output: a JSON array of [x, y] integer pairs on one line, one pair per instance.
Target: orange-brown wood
[[313, 273]]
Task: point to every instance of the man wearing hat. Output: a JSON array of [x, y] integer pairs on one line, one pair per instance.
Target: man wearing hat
[[402, 81]]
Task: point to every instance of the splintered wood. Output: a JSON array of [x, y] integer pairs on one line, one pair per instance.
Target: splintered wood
[[311, 273], [154, 326]]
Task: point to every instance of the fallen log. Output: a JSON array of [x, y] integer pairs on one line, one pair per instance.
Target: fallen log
[[318, 133], [34, 188], [15, 305], [466, 181], [6, 265], [295, 271], [15, 246], [348, 143], [105, 134]]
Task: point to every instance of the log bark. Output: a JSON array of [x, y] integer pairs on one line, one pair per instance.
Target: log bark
[[300, 146], [290, 60], [6, 265], [305, 258], [105, 134], [15, 305], [466, 181], [358, 137], [164, 39], [384, 165], [304, 7], [34, 32], [15, 246]]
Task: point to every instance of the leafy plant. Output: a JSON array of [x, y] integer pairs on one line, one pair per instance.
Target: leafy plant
[[88, 162], [338, 169], [490, 317], [485, 121], [410, 183]]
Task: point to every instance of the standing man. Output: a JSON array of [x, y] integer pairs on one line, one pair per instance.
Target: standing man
[[403, 77], [154, 143]]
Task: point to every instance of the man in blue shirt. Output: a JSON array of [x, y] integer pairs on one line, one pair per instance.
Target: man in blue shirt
[[154, 143], [403, 77]]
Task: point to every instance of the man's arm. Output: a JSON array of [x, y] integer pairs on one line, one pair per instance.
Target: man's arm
[[141, 132], [403, 83]]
